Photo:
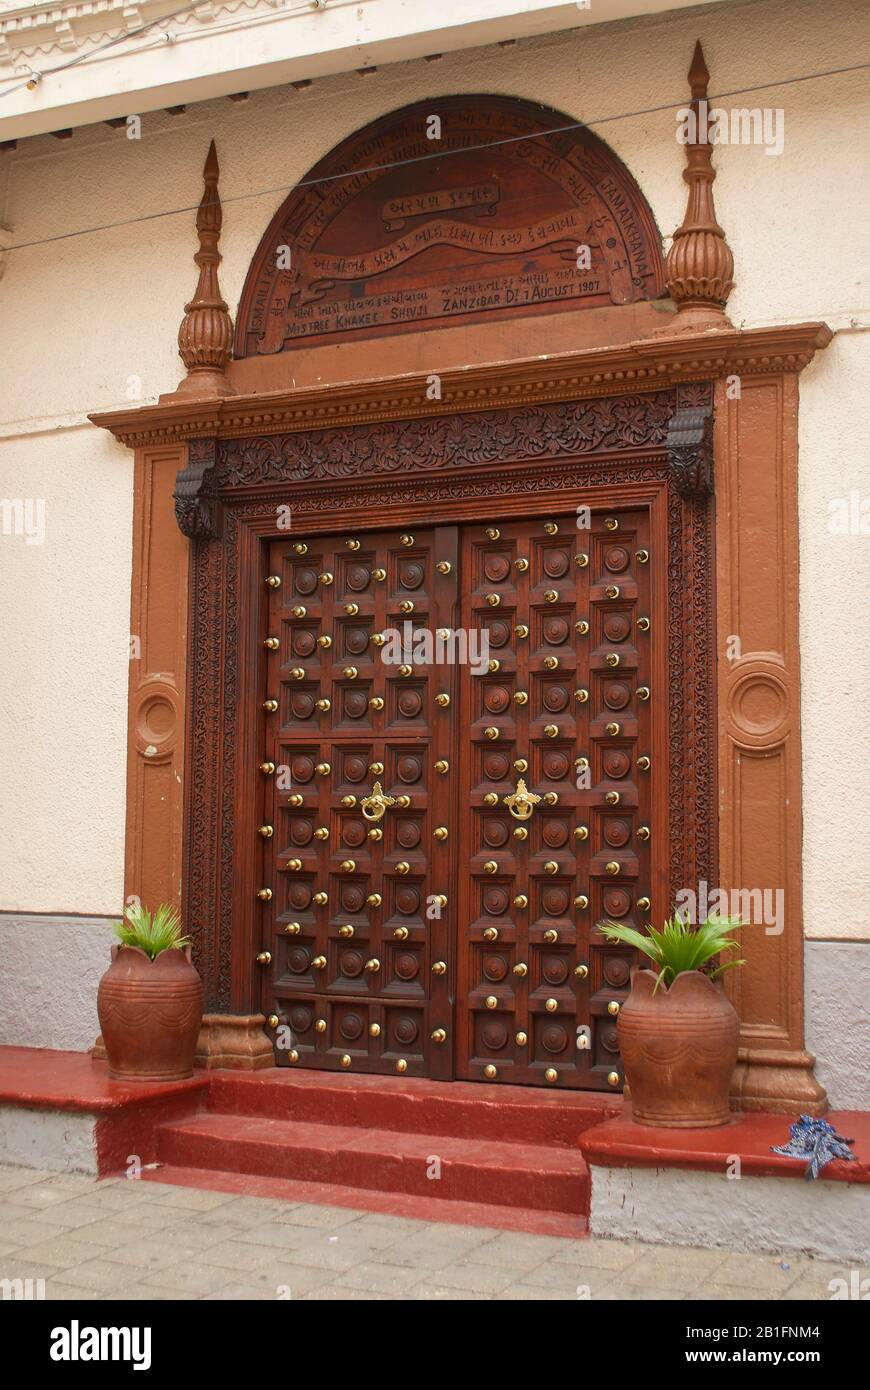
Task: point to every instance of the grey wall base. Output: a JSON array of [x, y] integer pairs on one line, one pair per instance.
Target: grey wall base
[[670, 1206], [60, 1141], [48, 984], [836, 990]]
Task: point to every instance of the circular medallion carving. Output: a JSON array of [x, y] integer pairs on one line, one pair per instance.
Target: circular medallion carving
[[353, 833], [554, 900], [409, 769], [355, 767], [496, 699], [499, 634], [616, 971], [406, 965], [302, 769], [495, 900], [304, 580], [304, 643], [350, 1027], [495, 832], [299, 896], [494, 1035], [406, 1030], [617, 626], [555, 698], [616, 831], [616, 694], [616, 902], [357, 577], [300, 1018], [555, 833], [554, 970], [616, 763], [301, 704], [496, 568], [297, 960], [409, 703], [759, 705], [555, 563], [555, 630], [609, 1038], [616, 558], [351, 963], [411, 574], [554, 1038], [407, 899], [352, 897], [355, 703], [408, 833], [494, 968], [356, 640], [556, 765], [301, 830], [496, 766]]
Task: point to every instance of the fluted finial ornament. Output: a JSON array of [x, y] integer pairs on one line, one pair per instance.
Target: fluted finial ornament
[[699, 264], [206, 332]]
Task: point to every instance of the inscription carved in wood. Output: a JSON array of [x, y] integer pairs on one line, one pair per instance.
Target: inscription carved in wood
[[512, 209]]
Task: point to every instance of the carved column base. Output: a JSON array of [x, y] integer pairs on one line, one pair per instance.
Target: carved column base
[[781, 1082], [696, 318], [235, 1042], [203, 383]]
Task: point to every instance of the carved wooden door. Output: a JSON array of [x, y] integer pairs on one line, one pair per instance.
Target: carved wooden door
[[444, 825], [556, 776], [357, 816]]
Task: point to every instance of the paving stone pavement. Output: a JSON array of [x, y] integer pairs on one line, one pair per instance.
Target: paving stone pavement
[[121, 1239]]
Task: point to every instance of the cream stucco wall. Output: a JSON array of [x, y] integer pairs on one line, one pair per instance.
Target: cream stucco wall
[[84, 314]]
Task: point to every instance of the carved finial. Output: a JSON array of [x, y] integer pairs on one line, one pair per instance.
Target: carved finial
[[699, 265], [206, 331]]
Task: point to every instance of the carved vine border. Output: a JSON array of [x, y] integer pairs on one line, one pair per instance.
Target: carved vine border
[[219, 587]]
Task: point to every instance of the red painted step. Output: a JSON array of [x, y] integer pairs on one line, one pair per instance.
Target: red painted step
[[462, 1109], [541, 1177]]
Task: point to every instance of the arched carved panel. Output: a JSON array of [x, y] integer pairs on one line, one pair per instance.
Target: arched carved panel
[[394, 230]]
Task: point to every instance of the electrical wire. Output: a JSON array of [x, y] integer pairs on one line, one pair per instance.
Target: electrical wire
[[441, 154]]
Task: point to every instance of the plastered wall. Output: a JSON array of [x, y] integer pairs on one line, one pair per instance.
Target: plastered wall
[[90, 317]]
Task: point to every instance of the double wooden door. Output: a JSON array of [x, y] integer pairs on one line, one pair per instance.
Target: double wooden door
[[457, 778]]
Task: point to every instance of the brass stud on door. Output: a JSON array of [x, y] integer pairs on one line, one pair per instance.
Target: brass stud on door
[[612, 798], [521, 765], [378, 639], [353, 544], [267, 831], [320, 1025], [493, 600], [351, 672], [581, 764], [493, 533], [644, 763], [613, 1078], [643, 904], [521, 1039], [299, 611], [490, 933], [442, 699], [521, 833], [490, 1072], [347, 866], [612, 591], [643, 624], [643, 692], [267, 768], [612, 729], [346, 1060], [297, 673], [293, 865], [551, 1005], [403, 867], [551, 528], [611, 868], [318, 963], [551, 663], [440, 899], [490, 799], [324, 704], [322, 832], [612, 658], [326, 578], [403, 801], [521, 630], [270, 706], [521, 564], [440, 832], [642, 556], [273, 1020], [373, 965], [490, 1002], [443, 634], [292, 1055], [323, 769], [613, 1008], [551, 1075], [444, 567], [406, 606], [521, 969], [521, 900], [293, 929], [581, 971], [490, 867], [581, 695], [493, 665], [582, 627], [272, 643], [439, 967], [376, 702], [551, 798], [379, 574], [374, 899], [351, 609], [438, 1035], [376, 768], [442, 766], [346, 930], [405, 671], [374, 1030], [551, 936], [491, 732], [643, 832], [611, 523], [521, 697], [264, 958], [581, 901], [301, 548], [551, 730], [551, 867], [581, 560], [581, 832], [376, 833], [551, 596], [407, 539], [401, 933], [264, 894], [320, 898], [274, 581], [401, 1065]]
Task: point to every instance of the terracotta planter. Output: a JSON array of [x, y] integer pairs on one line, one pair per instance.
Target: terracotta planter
[[679, 1047], [150, 1014]]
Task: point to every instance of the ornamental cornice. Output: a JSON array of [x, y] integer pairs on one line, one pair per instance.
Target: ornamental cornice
[[646, 365], [51, 30]]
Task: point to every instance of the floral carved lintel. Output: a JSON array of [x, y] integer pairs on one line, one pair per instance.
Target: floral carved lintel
[[436, 443], [690, 450], [197, 509]]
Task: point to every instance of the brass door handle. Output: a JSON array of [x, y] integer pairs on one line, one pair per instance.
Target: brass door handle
[[375, 804], [521, 803]]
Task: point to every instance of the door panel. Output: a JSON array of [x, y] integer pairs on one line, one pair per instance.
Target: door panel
[[355, 922], [562, 707], [445, 927]]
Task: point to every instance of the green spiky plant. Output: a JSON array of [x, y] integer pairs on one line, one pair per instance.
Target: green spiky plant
[[152, 932], [679, 947]]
